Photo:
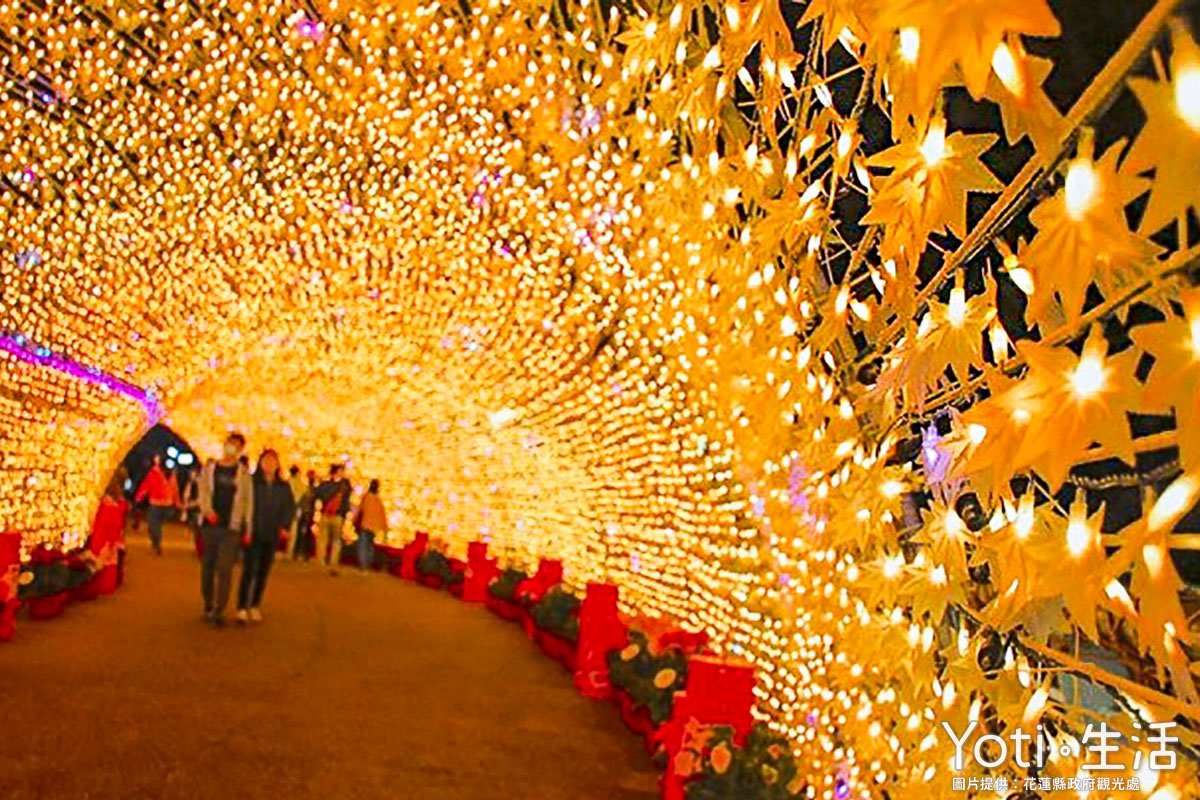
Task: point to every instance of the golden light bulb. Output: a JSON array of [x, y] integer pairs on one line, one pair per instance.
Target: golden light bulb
[[933, 148], [1079, 534], [1187, 94], [1155, 556], [1005, 66], [1174, 502], [1082, 188], [910, 44], [1022, 278], [956, 312], [1089, 377]]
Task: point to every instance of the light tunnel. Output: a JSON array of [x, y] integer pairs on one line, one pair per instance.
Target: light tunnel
[[704, 299]]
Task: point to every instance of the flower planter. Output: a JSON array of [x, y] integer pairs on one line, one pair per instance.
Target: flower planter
[[456, 589], [637, 719], [530, 627], [8, 619], [48, 607], [107, 579], [432, 581], [506, 609], [85, 591], [561, 650]]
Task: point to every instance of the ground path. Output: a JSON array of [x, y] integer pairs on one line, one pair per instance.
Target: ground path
[[353, 687]]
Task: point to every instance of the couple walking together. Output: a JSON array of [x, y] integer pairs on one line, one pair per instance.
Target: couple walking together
[[239, 508], [236, 504]]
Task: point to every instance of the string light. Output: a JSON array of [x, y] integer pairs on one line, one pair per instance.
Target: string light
[[1082, 188], [933, 149], [548, 275], [1088, 378], [910, 44], [1187, 94], [1007, 70]]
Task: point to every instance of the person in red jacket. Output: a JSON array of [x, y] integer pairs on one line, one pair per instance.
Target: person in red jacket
[[161, 488], [107, 542]]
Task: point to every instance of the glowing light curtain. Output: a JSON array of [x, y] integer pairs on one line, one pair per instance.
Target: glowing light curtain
[[695, 295]]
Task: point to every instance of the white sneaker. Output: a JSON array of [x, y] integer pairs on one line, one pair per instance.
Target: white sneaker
[[242, 616], [255, 615]]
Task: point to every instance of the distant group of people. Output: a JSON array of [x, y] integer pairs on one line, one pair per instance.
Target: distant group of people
[[233, 509]]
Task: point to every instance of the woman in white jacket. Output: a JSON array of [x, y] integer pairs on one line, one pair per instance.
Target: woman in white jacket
[[226, 500]]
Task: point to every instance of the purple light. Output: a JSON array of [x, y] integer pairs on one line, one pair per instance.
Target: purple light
[[19, 347], [796, 476], [758, 504], [314, 31], [936, 458]]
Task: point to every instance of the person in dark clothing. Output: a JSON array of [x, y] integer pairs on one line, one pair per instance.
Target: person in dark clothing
[[304, 492], [271, 516], [226, 500], [333, 500]]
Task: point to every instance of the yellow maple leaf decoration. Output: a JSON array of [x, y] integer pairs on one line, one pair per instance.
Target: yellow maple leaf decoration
[[1161, 620], [1024, 108], [947, 537], [837, 16], [963, 33], [951, 335], [1083, 237], [760, 23], [1172, 384], [1018, 552], [1170, 139], [1049, 419], [927, 189]]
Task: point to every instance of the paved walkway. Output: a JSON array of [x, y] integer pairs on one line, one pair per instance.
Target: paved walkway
[[353, 687]]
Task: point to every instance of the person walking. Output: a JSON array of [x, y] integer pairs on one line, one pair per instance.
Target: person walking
[[274, 508], [191, 501], [226, 503], [299, 488], [161, 489], [333, 498], [107, 541], [372, 525]]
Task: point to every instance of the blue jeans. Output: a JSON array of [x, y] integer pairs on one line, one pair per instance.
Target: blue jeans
[[366, 549]]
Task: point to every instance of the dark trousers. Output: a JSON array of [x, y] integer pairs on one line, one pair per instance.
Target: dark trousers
[[216, 567], [154, 521], [366, 549], [256, 565], [302, 546]]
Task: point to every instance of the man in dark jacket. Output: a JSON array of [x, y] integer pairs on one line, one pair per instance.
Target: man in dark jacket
[[333, 501]]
